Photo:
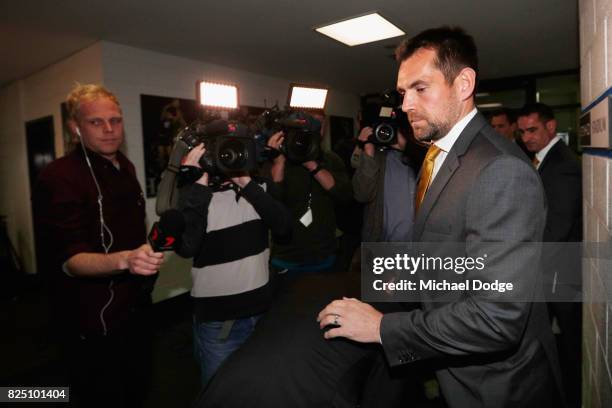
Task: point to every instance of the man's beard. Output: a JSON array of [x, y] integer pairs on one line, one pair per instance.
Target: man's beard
[[434, 131], [437, 129]]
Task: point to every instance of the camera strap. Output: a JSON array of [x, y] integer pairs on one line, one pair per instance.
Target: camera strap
[[167, 191]]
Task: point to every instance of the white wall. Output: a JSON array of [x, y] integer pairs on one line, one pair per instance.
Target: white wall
[[14, 184], [34, 97], [596, 78]]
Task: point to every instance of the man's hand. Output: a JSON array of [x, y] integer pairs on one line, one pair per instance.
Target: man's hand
[[143, 260], [365, 133], [274, 142], [193, 159], [241, 181], [310, 165], [354, 319], [278, 167]]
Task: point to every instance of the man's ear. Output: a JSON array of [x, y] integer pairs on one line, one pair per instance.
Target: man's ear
[[74, 128], [551, 127], [465, 83]]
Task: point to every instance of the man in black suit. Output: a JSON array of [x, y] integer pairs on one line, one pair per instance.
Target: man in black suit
[[560, 171], [503, 120], [478, 190]]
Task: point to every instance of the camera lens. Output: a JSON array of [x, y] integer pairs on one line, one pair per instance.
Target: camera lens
[[301, 144], [233, 154], [384, 133]]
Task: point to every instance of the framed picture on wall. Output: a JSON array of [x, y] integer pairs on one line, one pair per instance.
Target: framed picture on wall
[[162, 118]]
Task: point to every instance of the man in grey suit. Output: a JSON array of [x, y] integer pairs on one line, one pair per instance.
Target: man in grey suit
[[478, 190]]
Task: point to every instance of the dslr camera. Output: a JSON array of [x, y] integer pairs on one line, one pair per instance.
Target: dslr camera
[[385, 118], [302, 141]]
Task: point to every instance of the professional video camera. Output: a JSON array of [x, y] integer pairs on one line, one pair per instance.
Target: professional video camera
[[302, 134], [385, 119], [230, 149]]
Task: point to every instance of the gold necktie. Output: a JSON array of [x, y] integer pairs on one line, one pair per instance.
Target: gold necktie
[[535, 162], [426, 173]]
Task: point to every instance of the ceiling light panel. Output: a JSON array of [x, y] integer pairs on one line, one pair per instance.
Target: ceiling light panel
[[361, 30]]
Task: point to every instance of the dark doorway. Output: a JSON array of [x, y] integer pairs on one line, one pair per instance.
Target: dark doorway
[[40, 140], [40, 137]]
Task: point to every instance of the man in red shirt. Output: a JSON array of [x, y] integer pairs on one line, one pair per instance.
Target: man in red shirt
[[90, 214]]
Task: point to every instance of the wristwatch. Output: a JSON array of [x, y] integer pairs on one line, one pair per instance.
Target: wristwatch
[[314, 171]]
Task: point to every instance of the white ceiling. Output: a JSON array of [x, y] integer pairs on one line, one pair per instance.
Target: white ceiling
[[276, 37]]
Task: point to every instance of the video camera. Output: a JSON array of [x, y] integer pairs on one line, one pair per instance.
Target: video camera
[[230, 148], [302, 134]]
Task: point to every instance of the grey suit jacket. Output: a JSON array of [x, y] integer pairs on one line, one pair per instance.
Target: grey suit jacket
[[489, 354]]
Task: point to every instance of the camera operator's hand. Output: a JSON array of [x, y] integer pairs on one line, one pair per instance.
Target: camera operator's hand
[[275, 141], [241, 180], [193, 159], [364, 135], [278, 163]]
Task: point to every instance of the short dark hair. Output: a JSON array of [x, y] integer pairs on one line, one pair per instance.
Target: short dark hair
[[455, 50], [510, 114], [545, 113]]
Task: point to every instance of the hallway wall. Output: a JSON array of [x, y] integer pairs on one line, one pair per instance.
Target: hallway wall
[[596, 80]]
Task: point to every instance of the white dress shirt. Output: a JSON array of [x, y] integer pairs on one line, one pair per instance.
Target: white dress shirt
[[446, 143], [541, 155]]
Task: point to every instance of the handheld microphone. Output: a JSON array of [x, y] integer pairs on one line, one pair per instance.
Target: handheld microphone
[[166, 234]]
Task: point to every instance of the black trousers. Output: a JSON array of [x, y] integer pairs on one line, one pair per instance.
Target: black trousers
[[112, 370], [569, 343]]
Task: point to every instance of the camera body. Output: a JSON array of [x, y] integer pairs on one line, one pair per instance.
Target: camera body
[[385, 129], [302, 141], [230, 149]]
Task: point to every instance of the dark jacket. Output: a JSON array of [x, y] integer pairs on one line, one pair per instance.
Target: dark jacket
[[317, 241], [67, 221], [561, 175], [368, 188]]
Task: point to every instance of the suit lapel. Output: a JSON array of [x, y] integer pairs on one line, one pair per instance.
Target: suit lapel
[[448, 168], [549, 156]]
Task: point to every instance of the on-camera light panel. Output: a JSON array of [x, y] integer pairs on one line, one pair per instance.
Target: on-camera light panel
[[218, 95], [304, 97]]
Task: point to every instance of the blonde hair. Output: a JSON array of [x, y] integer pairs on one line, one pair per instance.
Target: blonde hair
[[86, 93]]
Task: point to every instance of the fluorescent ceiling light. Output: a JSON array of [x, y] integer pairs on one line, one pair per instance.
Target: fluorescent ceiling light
[[306, 97], [361, 30], [218, 95]]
